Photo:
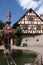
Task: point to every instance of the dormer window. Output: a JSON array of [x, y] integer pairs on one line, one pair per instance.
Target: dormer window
[[25, 27]]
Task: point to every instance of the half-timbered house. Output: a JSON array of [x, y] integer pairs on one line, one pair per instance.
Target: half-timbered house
[[31, 28]]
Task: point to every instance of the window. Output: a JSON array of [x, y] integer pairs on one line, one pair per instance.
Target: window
[[25, 27], [30, 18], [37, 40], [38, 27]]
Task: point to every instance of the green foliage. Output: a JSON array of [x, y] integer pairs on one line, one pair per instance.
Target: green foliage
[[18, 31], [1, 24], [18, 40], [17, 36]]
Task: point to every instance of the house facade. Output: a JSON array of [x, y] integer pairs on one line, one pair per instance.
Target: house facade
[[31, 28]]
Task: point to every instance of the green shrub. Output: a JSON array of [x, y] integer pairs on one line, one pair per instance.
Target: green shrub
[[18, 31], [17, 36], [18, 40]]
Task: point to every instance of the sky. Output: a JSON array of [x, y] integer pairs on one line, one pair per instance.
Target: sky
[[18, 8]]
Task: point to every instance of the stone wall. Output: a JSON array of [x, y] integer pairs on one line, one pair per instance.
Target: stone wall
[[32, 40]]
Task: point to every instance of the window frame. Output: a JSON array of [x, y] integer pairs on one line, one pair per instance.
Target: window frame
[[26, 28], [38, 27]]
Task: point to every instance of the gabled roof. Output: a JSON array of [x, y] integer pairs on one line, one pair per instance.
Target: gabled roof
[[26, 13]]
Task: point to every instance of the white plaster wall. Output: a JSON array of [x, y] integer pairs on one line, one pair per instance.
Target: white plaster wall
[[32, 40]]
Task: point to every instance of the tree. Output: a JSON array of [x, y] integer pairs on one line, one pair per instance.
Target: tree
[[18, 40], [1, 24], [18, 31], [18, 36]]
